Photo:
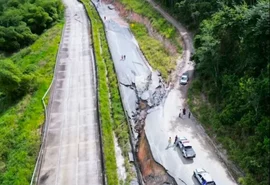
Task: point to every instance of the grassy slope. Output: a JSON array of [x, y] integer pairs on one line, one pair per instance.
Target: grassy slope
[[160, 24], [153, 50], [20, 124]]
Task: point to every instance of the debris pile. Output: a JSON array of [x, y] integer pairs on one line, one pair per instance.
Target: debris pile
[[150, 91]]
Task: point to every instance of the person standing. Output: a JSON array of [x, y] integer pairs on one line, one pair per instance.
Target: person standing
[[184, 111], [124, 57], [169, 143], [189, 115], [175, 139]]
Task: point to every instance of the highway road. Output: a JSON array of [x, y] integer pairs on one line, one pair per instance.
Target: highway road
[[163, 122], [72, 149]]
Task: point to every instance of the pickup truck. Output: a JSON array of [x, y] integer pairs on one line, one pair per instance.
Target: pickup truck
[[185, 147]]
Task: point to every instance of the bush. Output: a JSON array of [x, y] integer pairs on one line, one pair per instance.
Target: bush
[[13, 83]]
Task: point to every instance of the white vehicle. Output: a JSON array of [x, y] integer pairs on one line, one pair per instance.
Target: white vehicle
[[203, 177], [184, 79], [186, 147], [181, 139]]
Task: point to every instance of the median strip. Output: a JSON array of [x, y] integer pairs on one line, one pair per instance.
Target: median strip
[[112, 114]]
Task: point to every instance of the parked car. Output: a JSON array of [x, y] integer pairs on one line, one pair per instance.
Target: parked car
[[184, 79], [203, 177], [186, 147]]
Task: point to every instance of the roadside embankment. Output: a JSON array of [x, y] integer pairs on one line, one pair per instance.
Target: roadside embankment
[[153, 173], [21, 121]]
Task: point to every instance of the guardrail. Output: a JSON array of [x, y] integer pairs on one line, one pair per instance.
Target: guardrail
[[35, 176]]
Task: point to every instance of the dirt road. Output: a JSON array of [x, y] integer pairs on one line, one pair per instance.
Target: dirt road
[[72, 152]]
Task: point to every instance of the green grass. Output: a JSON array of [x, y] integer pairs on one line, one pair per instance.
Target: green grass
[[104, 100], [153, 50], [161, 25], [111, 109], [20, 123]]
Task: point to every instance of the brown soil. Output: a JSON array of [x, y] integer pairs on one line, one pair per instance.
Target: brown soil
[[152, 172]]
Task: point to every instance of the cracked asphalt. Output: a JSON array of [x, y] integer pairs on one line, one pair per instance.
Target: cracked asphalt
[[72, 148], [162, 122]]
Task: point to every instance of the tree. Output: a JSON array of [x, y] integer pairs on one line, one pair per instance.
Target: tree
[[22, 20], [10, 77], [13, 83], [36, 18]]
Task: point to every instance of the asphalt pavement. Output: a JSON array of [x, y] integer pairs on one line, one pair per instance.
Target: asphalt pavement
[[72, 149], [162, 122], [122, 42]]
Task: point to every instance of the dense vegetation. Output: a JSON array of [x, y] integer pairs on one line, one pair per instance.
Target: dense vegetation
[[21, 21], [21, 119], [193, 12], [232, 56], [112, 114], [24, 78]]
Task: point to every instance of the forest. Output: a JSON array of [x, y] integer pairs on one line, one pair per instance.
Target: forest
[[21, 22], [232, 71]]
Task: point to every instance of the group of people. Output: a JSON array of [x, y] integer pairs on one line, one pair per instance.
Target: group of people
[[184, 113], [123, 57], [170, 141]]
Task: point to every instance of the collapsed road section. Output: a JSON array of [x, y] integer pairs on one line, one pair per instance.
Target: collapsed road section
[[142, 89], [72, 147], [153, 109]]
